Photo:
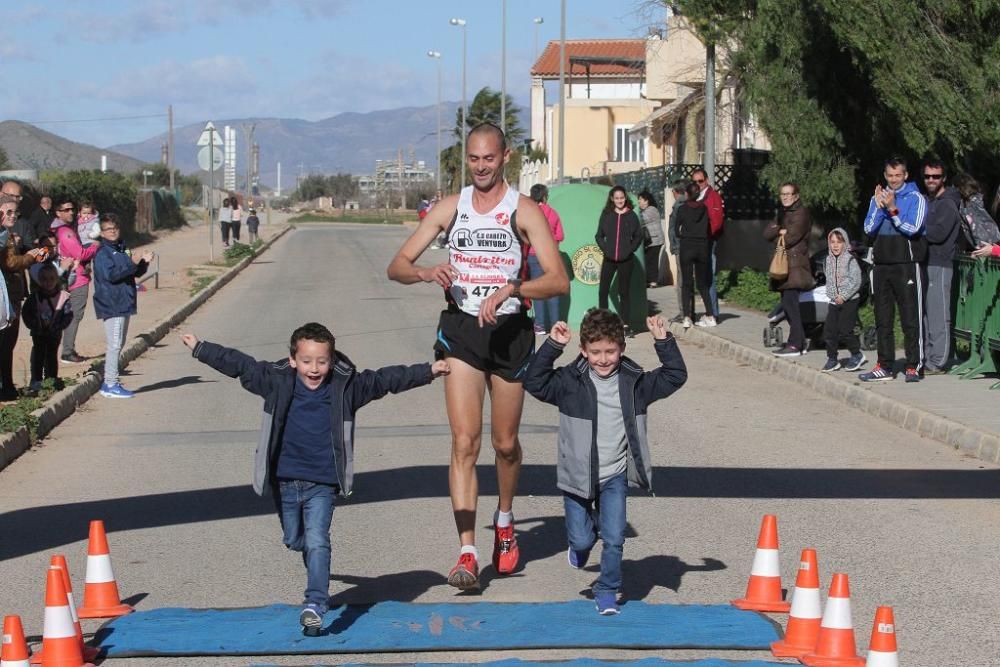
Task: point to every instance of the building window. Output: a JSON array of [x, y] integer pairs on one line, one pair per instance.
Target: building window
[[628, 149]]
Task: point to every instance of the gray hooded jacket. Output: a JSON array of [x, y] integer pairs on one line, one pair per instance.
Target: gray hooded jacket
[[843, 273]]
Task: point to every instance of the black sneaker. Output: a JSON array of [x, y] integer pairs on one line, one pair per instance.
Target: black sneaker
[[72, 358], [831, 365], [788, 351]]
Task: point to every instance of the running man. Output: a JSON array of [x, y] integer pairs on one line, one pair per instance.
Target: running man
[[485, 332]]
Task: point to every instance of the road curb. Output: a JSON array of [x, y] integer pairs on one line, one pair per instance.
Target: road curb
[[973, 442], [64, 403]]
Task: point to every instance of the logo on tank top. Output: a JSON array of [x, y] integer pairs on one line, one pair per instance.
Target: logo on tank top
[[482, 240], [503, 218]]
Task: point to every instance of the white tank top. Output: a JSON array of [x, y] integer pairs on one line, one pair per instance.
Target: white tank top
[[486, 251]]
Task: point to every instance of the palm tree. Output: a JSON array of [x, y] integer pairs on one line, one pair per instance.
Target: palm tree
[[485, 108]]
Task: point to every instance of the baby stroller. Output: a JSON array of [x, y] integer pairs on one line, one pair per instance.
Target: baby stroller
[[814, 304]]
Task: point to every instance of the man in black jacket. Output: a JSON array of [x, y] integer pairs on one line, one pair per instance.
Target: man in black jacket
[[943, 225]]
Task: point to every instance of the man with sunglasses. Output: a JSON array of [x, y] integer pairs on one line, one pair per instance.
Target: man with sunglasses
[[896, 223], [943, 226], [716, 217], [64, 228], [22, 229]]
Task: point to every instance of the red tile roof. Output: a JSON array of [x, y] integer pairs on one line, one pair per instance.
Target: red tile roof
[[547, 64]]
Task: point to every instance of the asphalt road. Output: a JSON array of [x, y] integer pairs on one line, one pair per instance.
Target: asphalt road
[[913, 523]]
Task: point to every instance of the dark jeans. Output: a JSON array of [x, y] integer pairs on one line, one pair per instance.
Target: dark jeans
[[624, 270], [713, 293], [793, 311], [8, 340], [696, 271], [652, 257], [546, 310], [235, 227], [224, 225], [45, 357], [306, 513], [840, 328], [604, 515]]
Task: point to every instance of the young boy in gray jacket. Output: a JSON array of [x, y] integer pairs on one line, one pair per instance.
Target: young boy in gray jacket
[[603, 397], [843, 288]]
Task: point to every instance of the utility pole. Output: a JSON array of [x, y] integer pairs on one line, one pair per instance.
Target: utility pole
[[709, 158], [211, 193], [170, 145], [503, 66], [402, 185], [248, 129], [562, 91]]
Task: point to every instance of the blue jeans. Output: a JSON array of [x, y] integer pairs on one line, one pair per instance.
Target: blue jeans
[[546, 310], [306, 513], [605, 515]]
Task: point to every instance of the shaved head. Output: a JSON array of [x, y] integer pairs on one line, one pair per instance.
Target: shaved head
[[489, 129]]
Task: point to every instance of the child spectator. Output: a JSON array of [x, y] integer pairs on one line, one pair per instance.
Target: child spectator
[[225, 221], [115, 297], [88, 224], [46, 313], [603, 398], [843, 288], [253, 224], [310, 401]]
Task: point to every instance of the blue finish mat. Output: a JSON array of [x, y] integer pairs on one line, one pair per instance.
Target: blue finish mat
[[405, 627], [580, 662]]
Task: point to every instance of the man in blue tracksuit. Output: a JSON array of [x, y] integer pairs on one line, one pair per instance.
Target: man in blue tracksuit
[[895, 227]]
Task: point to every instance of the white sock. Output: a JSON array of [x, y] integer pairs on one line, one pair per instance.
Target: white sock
[[504, 519], [470, 549]]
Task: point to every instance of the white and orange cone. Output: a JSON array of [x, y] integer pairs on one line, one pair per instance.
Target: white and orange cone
[[89, 652], [100, 592], [764, 587], [59, 641], [835, 645], [882, 651], [804, 618], [14, 652]]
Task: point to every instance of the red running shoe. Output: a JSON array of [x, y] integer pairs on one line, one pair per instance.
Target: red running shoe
[[505, 551], [465, 575]]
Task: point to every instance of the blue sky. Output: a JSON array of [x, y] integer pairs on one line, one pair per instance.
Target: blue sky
[[311, 59]]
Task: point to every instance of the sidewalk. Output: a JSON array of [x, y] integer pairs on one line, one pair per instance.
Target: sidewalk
[[178, 251], [961, 413]]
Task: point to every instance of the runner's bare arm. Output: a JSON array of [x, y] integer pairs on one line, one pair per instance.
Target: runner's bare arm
[[534, 229], [403, 267]]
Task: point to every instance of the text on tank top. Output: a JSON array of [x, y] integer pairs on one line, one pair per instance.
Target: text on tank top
[[486, 251]]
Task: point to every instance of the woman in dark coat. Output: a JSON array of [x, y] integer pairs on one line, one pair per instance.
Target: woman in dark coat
[[619, 235], [794, 224]]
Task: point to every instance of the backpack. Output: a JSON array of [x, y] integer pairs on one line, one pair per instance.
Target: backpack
[[978, 226]]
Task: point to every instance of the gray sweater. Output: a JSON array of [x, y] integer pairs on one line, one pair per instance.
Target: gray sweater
[[843, 273], [611, 440], [654, 227]]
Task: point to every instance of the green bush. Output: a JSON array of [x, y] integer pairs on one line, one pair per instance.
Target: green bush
[[237, 252], [17, 414], [110, 191]]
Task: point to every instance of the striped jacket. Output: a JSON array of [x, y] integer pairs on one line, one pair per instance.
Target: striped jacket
[[898, 239]]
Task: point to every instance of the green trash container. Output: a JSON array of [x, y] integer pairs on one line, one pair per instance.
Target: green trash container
[[579, 206]]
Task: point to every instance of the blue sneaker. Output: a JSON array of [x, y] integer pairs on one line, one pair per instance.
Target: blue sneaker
[[855, 362], [311, 619], [577, 559], [831, 365], [877, 374], [116, 391], [607, 604]]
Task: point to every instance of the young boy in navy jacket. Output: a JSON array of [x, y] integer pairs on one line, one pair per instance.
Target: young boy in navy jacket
[[603, 397], [305, 455]]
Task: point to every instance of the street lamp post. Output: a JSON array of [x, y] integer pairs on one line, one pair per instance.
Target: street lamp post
[[503, 65], [437, 56], [461, 24], [538, 20]]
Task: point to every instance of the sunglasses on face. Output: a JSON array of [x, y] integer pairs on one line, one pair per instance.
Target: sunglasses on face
[[65, 210], [699, 180], [933, 177]]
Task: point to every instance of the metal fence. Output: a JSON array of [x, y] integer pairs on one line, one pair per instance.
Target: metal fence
[[977, 316]]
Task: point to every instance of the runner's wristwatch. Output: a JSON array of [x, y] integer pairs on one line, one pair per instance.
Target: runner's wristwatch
[[516, 284]]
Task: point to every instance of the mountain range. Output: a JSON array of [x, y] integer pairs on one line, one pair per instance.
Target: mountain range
[[30, 147]]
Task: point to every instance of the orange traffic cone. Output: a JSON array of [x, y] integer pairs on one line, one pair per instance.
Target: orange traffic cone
[[15, 650], [803, 620], [764, 587], [882, 649], [100, 590], [59, 642], [835, 645], [89, 652]]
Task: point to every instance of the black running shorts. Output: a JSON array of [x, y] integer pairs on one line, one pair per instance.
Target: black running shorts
[[503, 349]]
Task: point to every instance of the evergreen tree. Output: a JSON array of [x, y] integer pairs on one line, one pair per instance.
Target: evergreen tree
[[841, 85]]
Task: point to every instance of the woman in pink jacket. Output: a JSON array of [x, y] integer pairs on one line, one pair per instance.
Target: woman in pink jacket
[[68, 242], [546, 310]]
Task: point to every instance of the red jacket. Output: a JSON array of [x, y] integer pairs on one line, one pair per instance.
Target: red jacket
[[716, 211]]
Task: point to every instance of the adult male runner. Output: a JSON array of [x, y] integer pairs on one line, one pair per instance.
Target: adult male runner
[[485, 331]]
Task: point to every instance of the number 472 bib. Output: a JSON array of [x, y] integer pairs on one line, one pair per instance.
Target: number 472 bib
[[486, 251]]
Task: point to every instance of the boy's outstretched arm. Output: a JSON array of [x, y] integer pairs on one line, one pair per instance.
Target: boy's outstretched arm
[[542, 380], [371, 385], [255, 376], [672, 373]]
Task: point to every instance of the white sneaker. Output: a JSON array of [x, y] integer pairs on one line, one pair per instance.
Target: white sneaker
[[687, 323], [706, 321]]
